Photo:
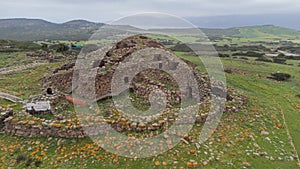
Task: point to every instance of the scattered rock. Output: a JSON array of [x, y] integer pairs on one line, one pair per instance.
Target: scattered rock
[[189, 164], [185, 141], [264, 133], [205, 163], [246, 164], [268, 139]]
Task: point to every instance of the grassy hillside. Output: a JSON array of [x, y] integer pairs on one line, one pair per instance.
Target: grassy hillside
[[267, 32], [237, 142], [36, 29], [264, 133]]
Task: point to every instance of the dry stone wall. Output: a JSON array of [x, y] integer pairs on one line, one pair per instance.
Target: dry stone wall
[[44, 130]]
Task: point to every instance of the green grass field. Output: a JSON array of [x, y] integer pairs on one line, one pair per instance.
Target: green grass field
[[237, 143]]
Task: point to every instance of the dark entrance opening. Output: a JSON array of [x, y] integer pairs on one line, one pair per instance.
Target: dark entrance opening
[[126, 80], [49, 91], [190, 92], [157, 57], [160, 65], [173, 65]]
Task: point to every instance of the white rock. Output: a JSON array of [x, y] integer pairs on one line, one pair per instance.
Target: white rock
[[264, 133]]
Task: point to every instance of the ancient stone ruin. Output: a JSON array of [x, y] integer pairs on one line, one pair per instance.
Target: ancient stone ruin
[[143, 83], [162, 68]]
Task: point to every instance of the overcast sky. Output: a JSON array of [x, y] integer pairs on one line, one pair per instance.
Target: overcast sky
[[106, 10]]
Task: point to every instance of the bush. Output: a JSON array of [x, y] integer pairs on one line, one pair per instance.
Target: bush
[[181, 48], [279, 60], [62, 48], [280, 76], [281, 55], [28, 162], [20, 158], [292, 57], [244, 58], [15, 46], [59, 47], [249, 53], [223, 55], [263, 59], [38, 163], [242, 48], [228, 71], [254, 54]]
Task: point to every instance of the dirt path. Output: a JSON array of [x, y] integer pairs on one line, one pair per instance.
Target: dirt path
[[9, 70], [289, 135], [9, 97]]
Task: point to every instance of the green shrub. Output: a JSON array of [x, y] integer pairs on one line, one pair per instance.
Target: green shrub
[[279, 60], [249, 53], [223, 55], [280, 76], [181, 48], [20, 158], [228, 71], [28, 162], [37, 163], [244, 58], [263, 59]]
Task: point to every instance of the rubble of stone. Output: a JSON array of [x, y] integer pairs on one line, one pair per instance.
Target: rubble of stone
[[143, 83], [5, 113], [67, 128]]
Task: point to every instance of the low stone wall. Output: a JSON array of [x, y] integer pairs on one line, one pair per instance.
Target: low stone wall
[[123, 125], [4, 115], [31, 129], [19, 128]]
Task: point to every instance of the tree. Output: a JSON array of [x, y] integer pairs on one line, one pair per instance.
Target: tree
[[62, 48], [279, 60], [44, 46]]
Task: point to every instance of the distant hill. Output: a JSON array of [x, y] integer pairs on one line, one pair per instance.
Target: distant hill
[[36, 29], [249, 32], [230, 21], [267, 31]]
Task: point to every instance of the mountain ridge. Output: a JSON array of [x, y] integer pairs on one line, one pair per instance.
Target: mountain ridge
[[25, 29], [38, 29], [228, 21]]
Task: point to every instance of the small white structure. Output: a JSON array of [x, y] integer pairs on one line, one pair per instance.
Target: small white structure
[[38, 106], [271, 54]]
